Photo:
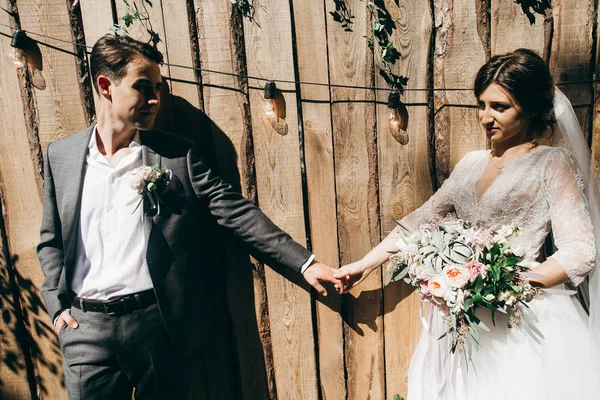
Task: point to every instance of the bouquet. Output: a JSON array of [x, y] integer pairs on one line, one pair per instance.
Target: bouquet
[[149, 181], [461, 269]]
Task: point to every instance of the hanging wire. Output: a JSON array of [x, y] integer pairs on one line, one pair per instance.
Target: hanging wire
[[331, 85]]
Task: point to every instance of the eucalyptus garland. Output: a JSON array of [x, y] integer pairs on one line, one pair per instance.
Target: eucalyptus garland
[[532, 7], [246, 8], [132, 14], [379, 38]]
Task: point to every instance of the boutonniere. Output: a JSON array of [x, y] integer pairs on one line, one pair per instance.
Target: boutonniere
[[150, 182]]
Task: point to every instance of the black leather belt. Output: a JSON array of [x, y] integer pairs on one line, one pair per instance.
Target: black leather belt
[[117, 307]]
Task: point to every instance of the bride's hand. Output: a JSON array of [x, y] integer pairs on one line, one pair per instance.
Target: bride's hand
[[354, 273]]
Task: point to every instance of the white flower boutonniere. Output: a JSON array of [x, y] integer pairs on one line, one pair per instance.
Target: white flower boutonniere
[[151, 182]]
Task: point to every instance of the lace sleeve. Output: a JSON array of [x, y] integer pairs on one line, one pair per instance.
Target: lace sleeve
[[440, 203], [571, 225]]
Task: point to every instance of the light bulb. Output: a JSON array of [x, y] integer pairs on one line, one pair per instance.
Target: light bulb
[[17, 57], [398, 123], [270, 108], [18, 44], [395, 119]]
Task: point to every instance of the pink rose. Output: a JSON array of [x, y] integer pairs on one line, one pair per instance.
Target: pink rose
[[475, 268], [425, 288]]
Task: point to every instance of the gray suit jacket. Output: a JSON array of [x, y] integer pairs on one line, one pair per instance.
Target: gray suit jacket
[[181, 240]]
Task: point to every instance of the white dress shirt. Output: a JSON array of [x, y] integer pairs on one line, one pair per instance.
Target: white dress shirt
[[111, 248]]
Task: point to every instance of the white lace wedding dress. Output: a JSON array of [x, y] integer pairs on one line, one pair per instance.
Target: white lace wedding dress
[[538, 191]]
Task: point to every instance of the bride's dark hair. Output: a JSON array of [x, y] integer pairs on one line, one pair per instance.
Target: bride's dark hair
[[526, 77]]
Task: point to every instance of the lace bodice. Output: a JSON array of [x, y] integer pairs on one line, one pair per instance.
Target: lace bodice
[[539, 190]]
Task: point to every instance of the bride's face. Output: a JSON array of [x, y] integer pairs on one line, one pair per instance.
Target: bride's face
[[500, 116]]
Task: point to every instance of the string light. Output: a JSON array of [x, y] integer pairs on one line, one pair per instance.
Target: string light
[[397, 117], [330, 85], [17, 51], [270, 104]]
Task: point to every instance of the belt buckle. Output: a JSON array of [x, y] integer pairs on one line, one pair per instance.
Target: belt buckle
[[110, 313]]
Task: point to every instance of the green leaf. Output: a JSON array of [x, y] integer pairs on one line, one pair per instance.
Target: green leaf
[[483, 326], [128, 19]]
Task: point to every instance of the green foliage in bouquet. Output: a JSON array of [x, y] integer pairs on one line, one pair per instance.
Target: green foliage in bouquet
[[463, 270]]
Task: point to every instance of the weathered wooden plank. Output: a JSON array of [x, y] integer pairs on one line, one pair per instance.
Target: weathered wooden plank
[[59, 104], [269, 55], [570, 57], [178, 31], [310, 31], [459, 53], [14, 347], [226, 103], [355, 149], [97, 20], [511, 29], [596, 112], [404, 179]]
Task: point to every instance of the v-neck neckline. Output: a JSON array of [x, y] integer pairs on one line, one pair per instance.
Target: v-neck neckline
[[486, 162]]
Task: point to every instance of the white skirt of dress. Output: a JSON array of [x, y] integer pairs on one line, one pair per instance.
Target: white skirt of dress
[[510, 364]]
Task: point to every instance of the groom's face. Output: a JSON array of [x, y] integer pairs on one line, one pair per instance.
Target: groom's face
[[136, 97]]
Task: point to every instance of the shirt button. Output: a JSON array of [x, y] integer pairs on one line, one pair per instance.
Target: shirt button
[[110, 207]]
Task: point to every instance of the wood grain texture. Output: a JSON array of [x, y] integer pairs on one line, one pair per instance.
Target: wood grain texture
[[309, 22], [511, 29], [355, 151], [404, 179], [269, 55], [15, 353], [179, 51], [96, 16], [60, 111], [226, 103], [459, 53], [97, 19], [59, 104], [570, 57], [596, 112]]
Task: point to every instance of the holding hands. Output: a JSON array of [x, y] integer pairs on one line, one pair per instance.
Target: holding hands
[[318, 273], [354, 273]]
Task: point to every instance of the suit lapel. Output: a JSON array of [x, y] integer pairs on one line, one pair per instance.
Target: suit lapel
[[149, 158], [72, 191]]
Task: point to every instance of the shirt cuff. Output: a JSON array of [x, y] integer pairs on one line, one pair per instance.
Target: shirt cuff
[[307, 263]]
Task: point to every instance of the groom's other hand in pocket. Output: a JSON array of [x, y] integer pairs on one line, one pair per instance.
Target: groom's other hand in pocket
[[353, 274], [318, 273], [63, 319]]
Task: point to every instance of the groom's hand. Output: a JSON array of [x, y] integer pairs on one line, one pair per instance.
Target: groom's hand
[[65, 318], [317, 273]]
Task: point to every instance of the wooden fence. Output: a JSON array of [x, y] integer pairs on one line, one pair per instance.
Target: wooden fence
[[329, 172]]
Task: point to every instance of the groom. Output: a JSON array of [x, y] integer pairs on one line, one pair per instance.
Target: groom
[[124, 285]]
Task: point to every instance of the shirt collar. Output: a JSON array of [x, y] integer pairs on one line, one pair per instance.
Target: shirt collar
[[93, 145]]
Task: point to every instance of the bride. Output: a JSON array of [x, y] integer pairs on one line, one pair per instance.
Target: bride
[[539, 188]]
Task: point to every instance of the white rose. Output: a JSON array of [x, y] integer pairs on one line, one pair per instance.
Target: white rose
[[148, 174], [437, 286], [136, 182], [455, 276]]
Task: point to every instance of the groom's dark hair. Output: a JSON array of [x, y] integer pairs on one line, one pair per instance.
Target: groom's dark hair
[[527, 79], [112, 53]]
